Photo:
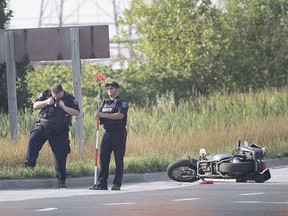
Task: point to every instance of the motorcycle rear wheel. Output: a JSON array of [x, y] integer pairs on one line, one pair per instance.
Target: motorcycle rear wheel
[[182, 171]]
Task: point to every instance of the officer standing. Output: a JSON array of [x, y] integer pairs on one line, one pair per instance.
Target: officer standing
[[57, 108], [113, 116]]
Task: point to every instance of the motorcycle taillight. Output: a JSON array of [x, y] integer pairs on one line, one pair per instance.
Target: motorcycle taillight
[[264, 166]]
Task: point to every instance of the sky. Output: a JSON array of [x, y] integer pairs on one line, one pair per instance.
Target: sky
[[26, 13], [23, 14]]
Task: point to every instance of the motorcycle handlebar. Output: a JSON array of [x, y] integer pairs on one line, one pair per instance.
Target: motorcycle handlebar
[[239, 143]]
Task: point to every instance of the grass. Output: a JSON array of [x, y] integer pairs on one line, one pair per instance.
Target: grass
[[162, 133]]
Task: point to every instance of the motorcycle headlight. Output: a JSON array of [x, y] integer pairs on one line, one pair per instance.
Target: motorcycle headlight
[[203, 152]]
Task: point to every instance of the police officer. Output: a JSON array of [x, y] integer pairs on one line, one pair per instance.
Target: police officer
[[57, 107], [113, 116]]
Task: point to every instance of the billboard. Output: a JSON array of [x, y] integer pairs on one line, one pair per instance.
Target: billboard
[[47, 44]]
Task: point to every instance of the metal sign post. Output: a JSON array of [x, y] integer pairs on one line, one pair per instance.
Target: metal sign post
[[11, 85]]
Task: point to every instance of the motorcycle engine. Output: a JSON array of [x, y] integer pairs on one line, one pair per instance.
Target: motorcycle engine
[[205, 168]]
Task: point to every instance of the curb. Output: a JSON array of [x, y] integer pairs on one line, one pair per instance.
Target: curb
[[273, 163], [82, 182]]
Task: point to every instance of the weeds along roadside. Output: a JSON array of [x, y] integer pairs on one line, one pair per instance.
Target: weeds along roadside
[[159, 134]]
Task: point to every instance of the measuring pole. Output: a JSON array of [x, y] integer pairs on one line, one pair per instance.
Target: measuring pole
[[99, 78]]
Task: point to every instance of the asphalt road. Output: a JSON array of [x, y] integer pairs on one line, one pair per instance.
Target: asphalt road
[[164, 197]]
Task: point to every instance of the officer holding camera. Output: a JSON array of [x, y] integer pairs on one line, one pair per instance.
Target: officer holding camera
[[57, 108]]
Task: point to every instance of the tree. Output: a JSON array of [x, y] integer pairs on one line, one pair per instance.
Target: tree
[[178, 45], [5, 16], [257, 32], [21, 85], [192, 46]]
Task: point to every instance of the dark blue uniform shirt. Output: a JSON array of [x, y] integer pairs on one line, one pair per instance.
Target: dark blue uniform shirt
[[118, 105]]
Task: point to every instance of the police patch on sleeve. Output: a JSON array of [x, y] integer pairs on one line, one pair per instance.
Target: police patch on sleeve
[[40, 96], [75, 102], [124, 104]]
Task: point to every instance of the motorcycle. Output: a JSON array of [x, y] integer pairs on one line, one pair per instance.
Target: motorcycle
[[245, 164]]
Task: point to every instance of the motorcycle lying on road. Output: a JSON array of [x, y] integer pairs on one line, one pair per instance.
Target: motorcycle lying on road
[[245, 164]]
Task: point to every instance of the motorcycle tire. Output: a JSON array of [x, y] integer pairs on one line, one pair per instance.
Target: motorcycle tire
[[182, 171], [237, 167]]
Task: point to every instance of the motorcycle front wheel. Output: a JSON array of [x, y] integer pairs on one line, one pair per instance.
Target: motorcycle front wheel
[[182, 171]]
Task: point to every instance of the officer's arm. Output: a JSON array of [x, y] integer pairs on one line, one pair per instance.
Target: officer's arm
[[41, 104], [69, 110], [113, 116]]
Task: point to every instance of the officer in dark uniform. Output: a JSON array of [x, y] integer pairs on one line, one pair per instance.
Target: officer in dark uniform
[[57, 108], [113, 116]]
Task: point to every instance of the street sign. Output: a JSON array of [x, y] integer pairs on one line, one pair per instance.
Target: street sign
[[47, 44]]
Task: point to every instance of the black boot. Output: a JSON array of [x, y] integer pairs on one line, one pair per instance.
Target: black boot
[[62, 184]]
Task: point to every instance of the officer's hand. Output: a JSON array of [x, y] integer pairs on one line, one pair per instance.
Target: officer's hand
[[98, 115], [50, 101], [61, 104]]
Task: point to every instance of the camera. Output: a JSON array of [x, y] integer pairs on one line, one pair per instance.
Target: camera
[[56, 101]]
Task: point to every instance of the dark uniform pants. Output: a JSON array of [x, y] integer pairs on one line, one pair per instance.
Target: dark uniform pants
[[112, 141], [60, 145]]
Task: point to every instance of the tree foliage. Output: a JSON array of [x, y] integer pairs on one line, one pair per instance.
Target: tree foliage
[[258, 53], [5, 15], [196, 46], [21, 68], [177, 42]]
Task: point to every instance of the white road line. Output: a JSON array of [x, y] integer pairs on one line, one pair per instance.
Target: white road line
[[260, 202], [251, 194], [46, 209], [114, 204], [187, 199]]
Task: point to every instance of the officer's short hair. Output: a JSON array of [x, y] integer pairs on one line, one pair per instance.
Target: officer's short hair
[[56, 88]]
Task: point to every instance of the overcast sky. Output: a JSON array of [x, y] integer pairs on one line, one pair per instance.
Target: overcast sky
[[82, 12]]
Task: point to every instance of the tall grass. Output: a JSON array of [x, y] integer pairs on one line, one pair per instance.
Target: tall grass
[[165, 131]]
